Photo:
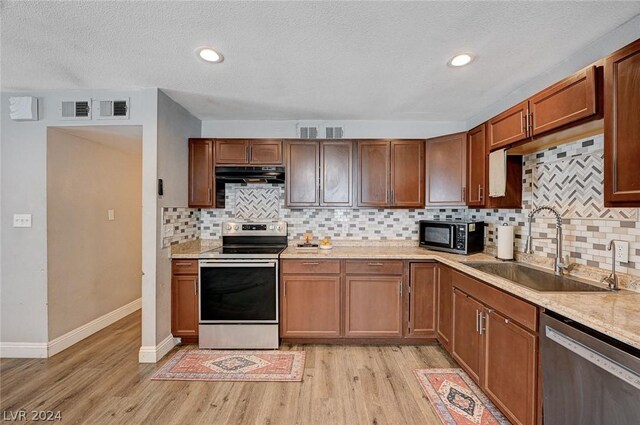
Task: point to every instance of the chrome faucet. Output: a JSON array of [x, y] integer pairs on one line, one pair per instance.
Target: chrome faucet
[[559, 266], [612, 279]]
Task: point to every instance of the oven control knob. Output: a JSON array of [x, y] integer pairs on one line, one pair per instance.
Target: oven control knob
[[228, 227], [279, 228], [235, 227], [271, 227]]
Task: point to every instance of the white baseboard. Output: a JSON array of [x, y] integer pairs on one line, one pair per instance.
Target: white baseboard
[[151, 354], [23, 350], [67, 340]]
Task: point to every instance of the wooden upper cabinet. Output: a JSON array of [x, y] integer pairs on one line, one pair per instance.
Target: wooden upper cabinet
[[302, 168], [391, 173], [374, 163], [407, 173], [622, 127], [567, 101], [248, 152], [476, 166], [508, 127], [510, 368], [445, 306], [234, 152], [422, 300], [265, 152], [446, 170], [336, 171], [201, 177]]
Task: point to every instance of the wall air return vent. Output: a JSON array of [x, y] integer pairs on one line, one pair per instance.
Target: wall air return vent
[[307, 132], [75, 109], [334, 132], [113, 109]]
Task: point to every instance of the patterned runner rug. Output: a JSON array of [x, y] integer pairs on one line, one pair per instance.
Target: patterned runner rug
[[456, 398], [233, 365]]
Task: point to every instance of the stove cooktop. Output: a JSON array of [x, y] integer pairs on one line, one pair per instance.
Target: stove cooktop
[[248, 251]]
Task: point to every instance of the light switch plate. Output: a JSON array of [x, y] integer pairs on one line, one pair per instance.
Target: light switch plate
[[622, 251], [22, 220], [111, 214]]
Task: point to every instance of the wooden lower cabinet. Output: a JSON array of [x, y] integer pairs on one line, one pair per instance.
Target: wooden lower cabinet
[[184, 300], [310, 306], [422, 300], [467, 341], [510, 368], [373, 306], [444, 306], [499, 354]]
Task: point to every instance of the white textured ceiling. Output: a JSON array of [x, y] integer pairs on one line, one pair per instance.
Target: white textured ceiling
[[300, 60]]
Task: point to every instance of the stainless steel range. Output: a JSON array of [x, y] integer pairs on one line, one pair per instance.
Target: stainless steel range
[[238, 287]]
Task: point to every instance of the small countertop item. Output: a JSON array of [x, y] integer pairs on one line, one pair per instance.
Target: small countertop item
[[505, 242]]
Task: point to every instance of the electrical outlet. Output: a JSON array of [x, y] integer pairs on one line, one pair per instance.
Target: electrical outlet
[[168, 230], [622, 251], [22, 220], [111, 214]]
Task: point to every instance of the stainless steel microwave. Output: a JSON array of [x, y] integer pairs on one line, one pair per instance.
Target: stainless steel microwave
[[458, 237]]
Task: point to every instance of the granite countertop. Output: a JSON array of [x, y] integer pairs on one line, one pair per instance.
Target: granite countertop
[[616, 314]]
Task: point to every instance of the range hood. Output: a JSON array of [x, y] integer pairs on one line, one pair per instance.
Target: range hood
[[250, 175]]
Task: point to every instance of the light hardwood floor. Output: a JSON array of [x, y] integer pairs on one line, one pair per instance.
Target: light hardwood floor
[[99, 381]]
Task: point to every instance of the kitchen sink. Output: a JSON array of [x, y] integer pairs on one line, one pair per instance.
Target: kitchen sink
[[535, 278]]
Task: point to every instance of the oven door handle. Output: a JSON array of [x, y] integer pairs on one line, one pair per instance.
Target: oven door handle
[[239, 265]]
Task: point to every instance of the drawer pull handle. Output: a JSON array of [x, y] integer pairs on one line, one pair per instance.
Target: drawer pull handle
[[308, 263], [375, 264], [183, 264]]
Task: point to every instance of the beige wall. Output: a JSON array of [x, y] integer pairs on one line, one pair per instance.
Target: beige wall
[[94, 265]]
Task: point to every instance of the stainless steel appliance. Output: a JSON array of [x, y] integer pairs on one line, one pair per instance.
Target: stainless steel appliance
[[238, 287], [588, 378], [457, 236]]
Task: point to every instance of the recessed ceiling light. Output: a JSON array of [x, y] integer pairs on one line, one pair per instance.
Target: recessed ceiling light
[[207, 54], [461, 60]]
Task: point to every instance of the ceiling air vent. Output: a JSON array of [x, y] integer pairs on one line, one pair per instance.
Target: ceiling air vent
[[334, 132], [113, 109], [75, 110], [306, 132]]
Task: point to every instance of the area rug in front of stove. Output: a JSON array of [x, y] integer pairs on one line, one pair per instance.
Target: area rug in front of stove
[[456, 398], [232, 365]]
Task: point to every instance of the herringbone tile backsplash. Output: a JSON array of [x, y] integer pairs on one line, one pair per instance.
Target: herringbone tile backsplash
[[569, 177]]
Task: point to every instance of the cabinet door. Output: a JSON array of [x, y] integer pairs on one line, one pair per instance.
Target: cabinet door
[[445, 306], [232, 152], [508, 127], [336, 183], [184, 305], [407, 173], [622, 127], [201, 180], [476, 166], [422, 300], [265, 152], [570, 100], [466, 335], [373, 306], [374, 164], [446, 170], [510, 368], [302, 174], [310, 306]]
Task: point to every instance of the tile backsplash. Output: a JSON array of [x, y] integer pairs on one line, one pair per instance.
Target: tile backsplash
[[568, 177]]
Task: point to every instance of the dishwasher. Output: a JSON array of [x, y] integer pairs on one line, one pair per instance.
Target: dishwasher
[[588, 378]]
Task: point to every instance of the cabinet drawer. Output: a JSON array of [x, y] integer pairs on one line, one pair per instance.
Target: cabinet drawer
[[184, 267], [311, 266], [374, 267], [521, 311]]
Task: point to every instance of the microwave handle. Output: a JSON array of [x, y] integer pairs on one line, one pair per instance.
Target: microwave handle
[[452, 243]]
